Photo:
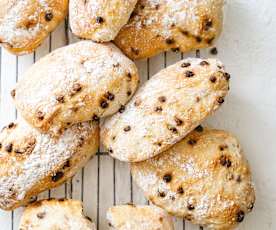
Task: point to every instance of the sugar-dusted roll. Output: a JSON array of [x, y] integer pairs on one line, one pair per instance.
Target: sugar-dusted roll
[[165, 109], [32, 162], [204, 178], [180, 25], [24, 24], [75, 83]]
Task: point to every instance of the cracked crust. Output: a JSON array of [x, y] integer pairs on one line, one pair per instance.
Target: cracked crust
[[32, 162], [180, 25], [55, 214], [204, 178], [136, 217], [24, 24], [99, 20], [165, 109], [76, 83]]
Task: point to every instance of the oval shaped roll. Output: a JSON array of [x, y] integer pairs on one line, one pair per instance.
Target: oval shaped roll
[[32, 162], [204, 178], [55, 214], [25, 24], [163, 111], [99, 20], [76, 83], [137, 217], [157, 26]]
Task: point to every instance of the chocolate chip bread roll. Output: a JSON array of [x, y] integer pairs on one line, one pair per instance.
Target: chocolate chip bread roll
[[54, 215], [180, 25], [132, 217], [32, 162], [163, 111], [76, 83], [204, 178], [24, 24], [99, 20]]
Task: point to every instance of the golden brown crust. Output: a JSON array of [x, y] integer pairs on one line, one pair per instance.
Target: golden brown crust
[[76, 83], [163, 111], [157, 26], [204, 178], [24, 24], [55, 214], [137, 217], [99, 20], [32, 162]]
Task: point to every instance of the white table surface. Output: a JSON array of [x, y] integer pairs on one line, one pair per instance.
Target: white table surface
[[248, 49]]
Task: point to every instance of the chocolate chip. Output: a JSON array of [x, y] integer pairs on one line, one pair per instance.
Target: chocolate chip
[[192, 142], [225, 161], [158, 109], [49, 16], [66, 164], [40, 115], [57, 176], [129, 76], [76, 87], [213, 79], [8, 148], [227, 76], [13, 93], [173, 129], [214, 51], [185, 64], [240, 216], [170, 41], [180, 190], [198, 39], [178, 121], [95, 118], [167, 178], [60, 99], [0, 145], [220, 100], [18, 151], [134, 50], [157, 6], [127, 128], [109, 96], [122, 109], [99, 20], [210, 40], [238, 179], [11, 125], [161, 194], [104, 104], [185, 32], [41, 215], [207, 24], [204, 63], [199, 128], [129, 93], [222, 147], [190, 207], [189, 74], [162, 99]]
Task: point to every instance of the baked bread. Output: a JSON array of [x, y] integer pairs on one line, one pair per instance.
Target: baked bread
[[204, 178], [76, 83], [31, 162], [180, 25], [170, 105], [24, 24], [55, 215], [99, 20], [132, 217]]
